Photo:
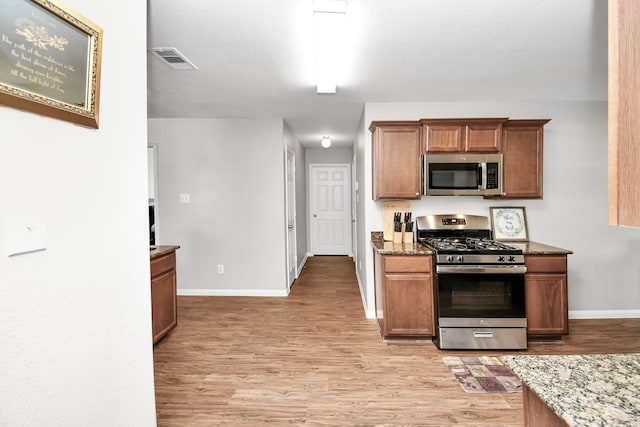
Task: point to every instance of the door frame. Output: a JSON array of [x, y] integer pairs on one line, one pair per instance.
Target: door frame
[[290, 202], [152, 173]]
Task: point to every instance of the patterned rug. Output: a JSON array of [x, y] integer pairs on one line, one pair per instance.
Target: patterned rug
[[483, 375]]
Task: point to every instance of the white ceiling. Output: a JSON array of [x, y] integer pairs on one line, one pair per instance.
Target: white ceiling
[[255, 57]]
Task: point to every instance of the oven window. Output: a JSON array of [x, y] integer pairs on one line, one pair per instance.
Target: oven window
[[481, 295]]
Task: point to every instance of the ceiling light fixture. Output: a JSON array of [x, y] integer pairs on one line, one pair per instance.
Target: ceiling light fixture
[[328, 16], [326, 142]]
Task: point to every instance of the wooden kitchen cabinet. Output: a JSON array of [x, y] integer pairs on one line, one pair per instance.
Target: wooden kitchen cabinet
[[546, 295], [164, 307], [624, 112], [404, 296], [462, 135], [522, 143], [396, 160]]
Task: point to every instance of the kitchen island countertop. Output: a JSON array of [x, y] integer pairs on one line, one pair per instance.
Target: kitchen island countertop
[[594, 390]]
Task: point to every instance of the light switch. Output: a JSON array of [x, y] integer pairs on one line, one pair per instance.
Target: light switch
[[185, 198]]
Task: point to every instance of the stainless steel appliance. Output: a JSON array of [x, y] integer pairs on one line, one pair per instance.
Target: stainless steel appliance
[[479, 284], [464, 174]]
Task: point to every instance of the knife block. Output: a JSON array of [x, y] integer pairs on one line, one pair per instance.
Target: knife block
[[407, 237], [397, 237], [388, 208]]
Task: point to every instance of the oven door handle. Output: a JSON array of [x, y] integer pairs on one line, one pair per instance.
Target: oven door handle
[[481, 269]]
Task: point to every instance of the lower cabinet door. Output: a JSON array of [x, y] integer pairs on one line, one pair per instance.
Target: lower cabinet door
[[408, 304], [163, 304], [546, 302]]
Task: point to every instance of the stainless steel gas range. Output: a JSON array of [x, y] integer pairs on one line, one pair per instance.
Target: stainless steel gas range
[[479, 284]]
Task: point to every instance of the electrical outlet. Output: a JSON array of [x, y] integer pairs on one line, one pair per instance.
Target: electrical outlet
[[220, 269]]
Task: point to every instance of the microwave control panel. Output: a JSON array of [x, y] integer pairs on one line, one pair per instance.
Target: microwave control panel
[[492, 175]]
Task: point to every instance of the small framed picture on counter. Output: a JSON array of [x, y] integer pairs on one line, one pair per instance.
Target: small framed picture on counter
[[509, 223]]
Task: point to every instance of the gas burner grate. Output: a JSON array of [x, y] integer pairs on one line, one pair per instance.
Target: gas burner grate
[[487, 244]]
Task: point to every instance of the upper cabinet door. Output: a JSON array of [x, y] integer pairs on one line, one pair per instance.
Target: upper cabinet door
[[443, 138], [522, 145], [483, 138], [396, 160], [478, 135]]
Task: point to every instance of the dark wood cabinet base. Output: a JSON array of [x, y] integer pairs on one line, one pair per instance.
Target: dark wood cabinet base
[[164, 302], [537, 413]]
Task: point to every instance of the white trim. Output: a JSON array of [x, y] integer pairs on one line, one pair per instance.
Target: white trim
[[154, 202], [231, 293], [604, 314], [290, 198], [369, 314], [301, 265]]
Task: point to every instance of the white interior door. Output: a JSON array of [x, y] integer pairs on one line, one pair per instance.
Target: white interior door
[[330, 209], [292, 257]]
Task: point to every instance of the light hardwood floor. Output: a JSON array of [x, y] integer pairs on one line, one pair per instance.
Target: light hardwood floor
[[313, 358]]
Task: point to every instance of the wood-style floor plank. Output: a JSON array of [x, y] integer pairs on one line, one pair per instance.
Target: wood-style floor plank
[[313, 359]]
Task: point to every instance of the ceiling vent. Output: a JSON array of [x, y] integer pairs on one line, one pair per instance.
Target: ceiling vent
[[173, 58]]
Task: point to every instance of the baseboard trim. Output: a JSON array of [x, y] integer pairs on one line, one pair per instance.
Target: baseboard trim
[[231, 293], [604, 314], [368, 314], [301, 265]]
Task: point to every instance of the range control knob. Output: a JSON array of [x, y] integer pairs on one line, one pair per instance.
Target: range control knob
[[500, 258], [512, 258], [449, 258], [459, 258]]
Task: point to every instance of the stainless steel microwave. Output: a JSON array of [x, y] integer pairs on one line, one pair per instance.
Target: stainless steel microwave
[[462, 174]]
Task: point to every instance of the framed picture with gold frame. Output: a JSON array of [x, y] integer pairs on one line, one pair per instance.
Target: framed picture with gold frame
[[509, 223], [50, 59]]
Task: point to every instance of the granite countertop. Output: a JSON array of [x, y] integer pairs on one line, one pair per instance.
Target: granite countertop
[[157, 251], [594, 390], [535, 248], [388, 248]]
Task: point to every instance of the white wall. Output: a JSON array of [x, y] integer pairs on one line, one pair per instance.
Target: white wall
[[604, 270], [234, 172], [329, 155], [75, 347]]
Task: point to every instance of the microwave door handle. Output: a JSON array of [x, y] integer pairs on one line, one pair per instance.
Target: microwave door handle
[[482, 176], [423, 176]]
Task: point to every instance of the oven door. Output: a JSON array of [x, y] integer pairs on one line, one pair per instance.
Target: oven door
[[481, 292]]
